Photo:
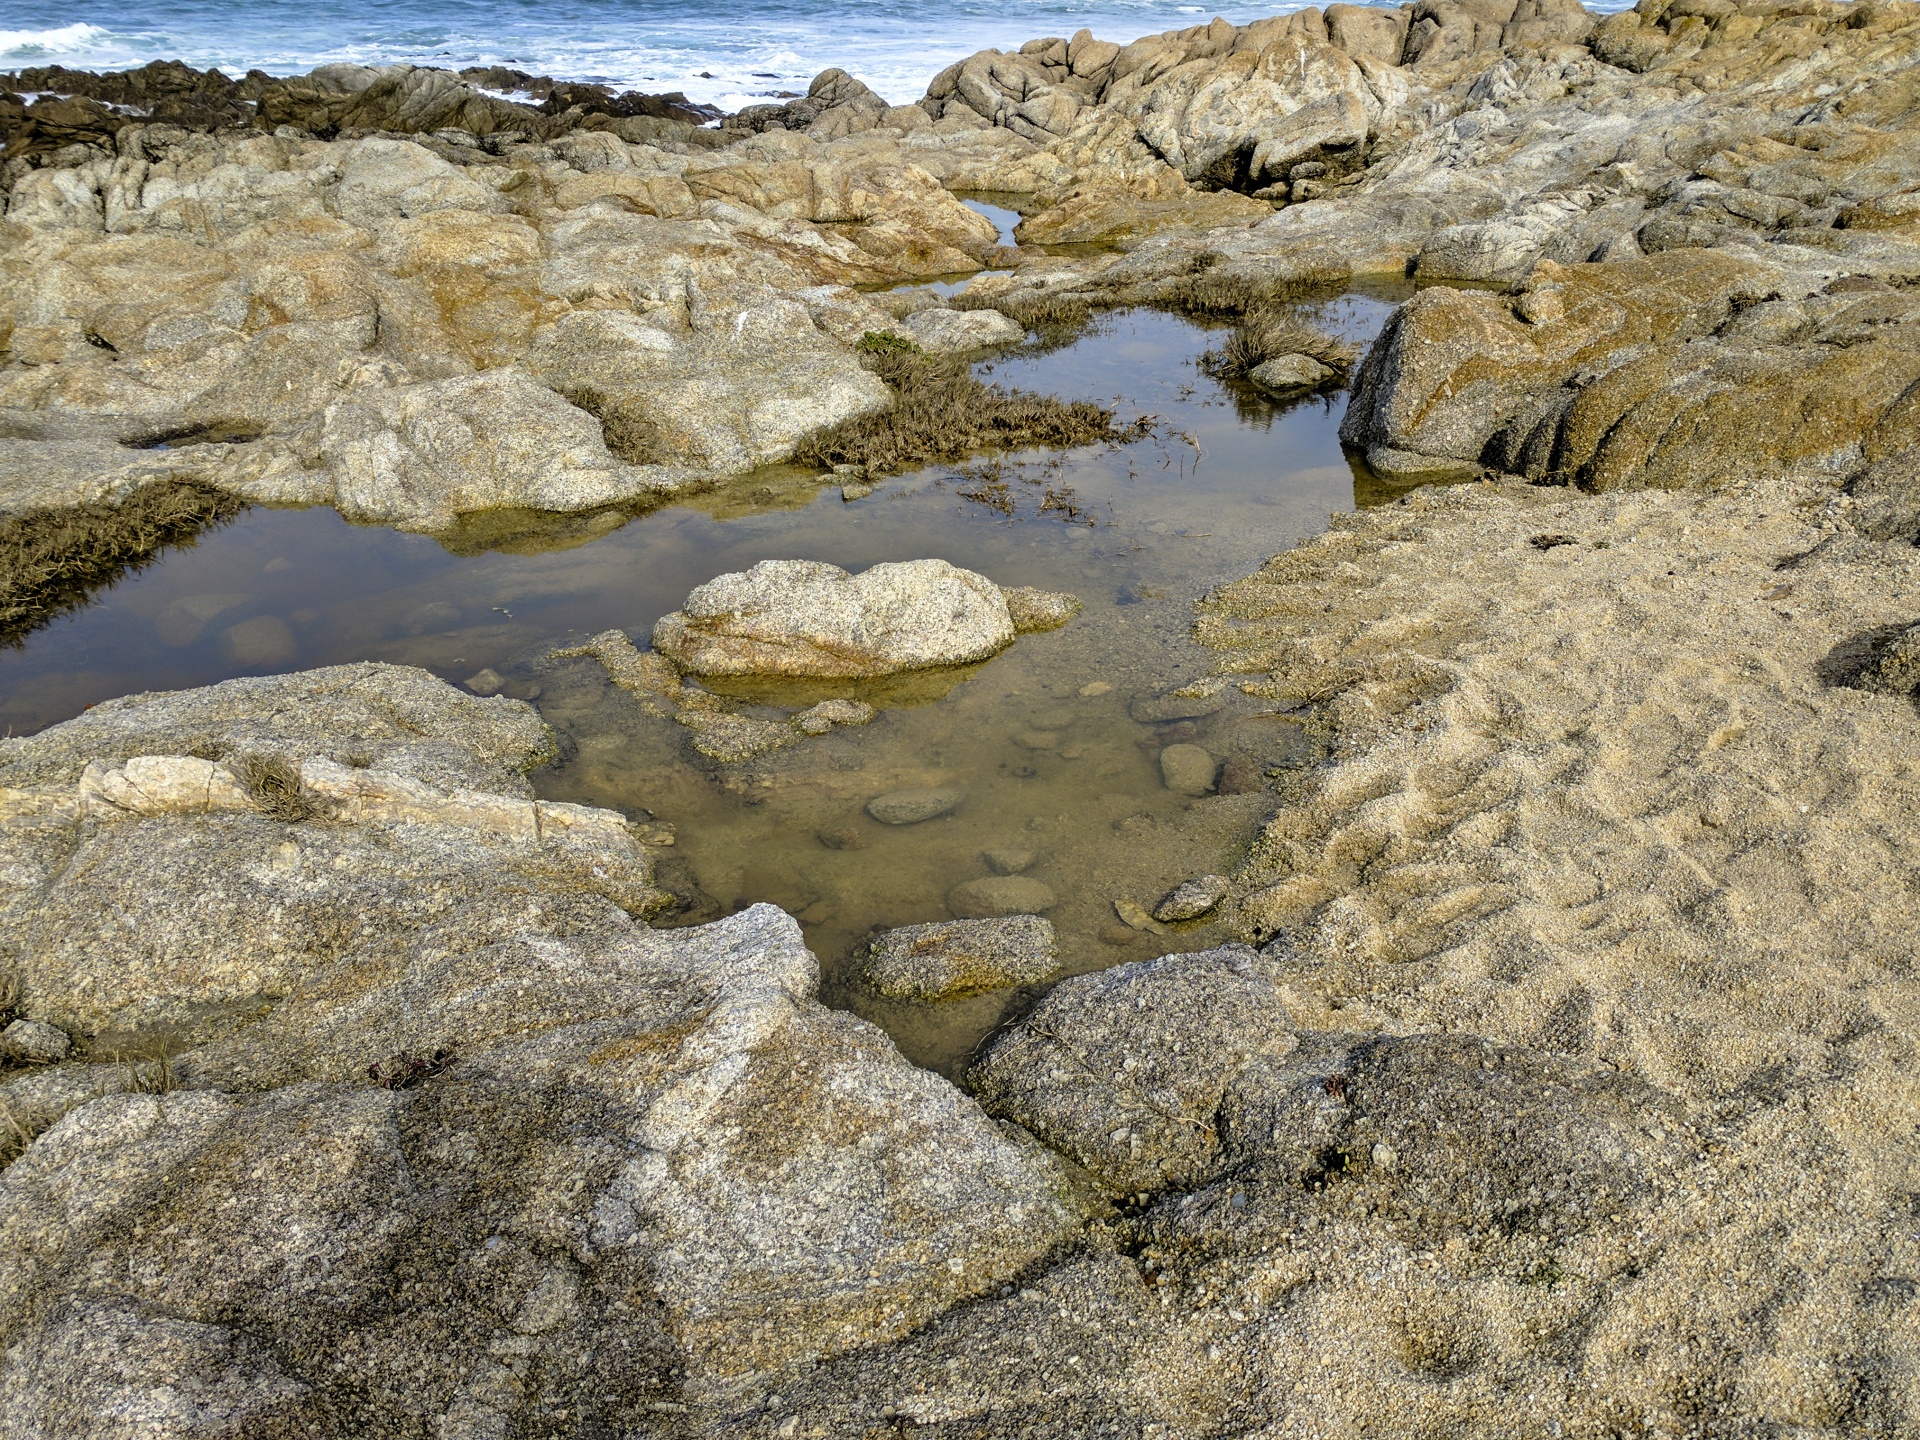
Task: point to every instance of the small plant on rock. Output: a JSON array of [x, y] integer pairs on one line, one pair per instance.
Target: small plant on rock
[[406, 1070]]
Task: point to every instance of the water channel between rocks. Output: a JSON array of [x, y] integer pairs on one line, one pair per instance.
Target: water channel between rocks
[[1044, 739]]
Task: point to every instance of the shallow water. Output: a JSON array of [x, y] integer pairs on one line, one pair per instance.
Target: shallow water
[[1041, 738]]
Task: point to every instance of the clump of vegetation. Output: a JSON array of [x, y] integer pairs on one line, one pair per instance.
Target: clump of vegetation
[[1208, 290], [1268, 334], [943, 413], [15, 1135], [1055, 315], [275, 787], [9, 1000], [52, 558]]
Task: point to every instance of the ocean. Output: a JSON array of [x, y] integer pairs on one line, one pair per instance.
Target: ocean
[[743, 52]]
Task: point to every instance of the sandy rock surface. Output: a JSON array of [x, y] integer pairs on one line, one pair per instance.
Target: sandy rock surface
[[946, 960]]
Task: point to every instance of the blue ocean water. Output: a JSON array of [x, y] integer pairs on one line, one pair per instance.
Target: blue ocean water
[[726, 52]]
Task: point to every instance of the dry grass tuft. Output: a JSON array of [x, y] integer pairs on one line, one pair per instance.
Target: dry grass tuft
[[943, 413], [51, 559], [1053, 314], [274, 785], [9, 1000], [1206, 291], [15, 1135], [1265, 335]]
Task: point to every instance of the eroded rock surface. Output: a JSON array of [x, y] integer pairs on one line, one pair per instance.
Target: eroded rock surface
[[430, 1075]]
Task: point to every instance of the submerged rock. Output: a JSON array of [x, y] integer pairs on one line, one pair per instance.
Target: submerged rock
[[1188, 769], [946, 960], [1033, 609], [910, 807], [819, 719], [993, 895], [804, 618]]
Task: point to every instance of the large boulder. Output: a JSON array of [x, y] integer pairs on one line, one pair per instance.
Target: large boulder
[[805, 618]]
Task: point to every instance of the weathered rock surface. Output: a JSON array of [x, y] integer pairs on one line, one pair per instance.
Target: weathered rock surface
[[949, 959], [614, 1153], [807, 618], [995, 895], [959, 332], [1192, 899]]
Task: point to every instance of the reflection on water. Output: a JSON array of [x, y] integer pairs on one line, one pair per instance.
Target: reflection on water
[[1042, 739]]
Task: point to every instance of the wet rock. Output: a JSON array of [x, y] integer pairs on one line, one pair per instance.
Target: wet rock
[[855, 490], [946, 960], [185, 620], [959, 332], [910, 807], [1159, 709], [1192, 899], [806, 618], [28, 1042], [735, 739], [1286, 373], [819, 719], [1187, 769], [1009, 862], [993, 895], [486, 682], [1125, 1070], [1135, 917], [1033, 609], [841, 837], [1037, 739]]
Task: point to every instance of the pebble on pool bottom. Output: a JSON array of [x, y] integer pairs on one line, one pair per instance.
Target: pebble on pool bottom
[[992, 895]]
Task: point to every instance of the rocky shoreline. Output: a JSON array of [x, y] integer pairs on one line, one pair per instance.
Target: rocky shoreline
[[1560, 1080]]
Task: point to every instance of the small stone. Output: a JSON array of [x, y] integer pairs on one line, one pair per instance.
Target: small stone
[[1158, 709], [829, 713], [1187, 769], [859, 490], [1135, 917], [999, 895], [1036, 739], [1118, 935], [29, 1042], [952, 958], [1284, 373], [1039, 609], [486, 682], [1095, 687], [1008, 862], [910, 807], [1385, 1156], [840, 837], [1193, 899]]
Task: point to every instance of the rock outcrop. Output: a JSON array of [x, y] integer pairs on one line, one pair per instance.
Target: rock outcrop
[[441, 1082]]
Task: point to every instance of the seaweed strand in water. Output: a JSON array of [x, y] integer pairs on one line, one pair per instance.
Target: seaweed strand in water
[[52, 559], [941, 412]]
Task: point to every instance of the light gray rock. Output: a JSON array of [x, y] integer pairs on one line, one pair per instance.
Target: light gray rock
[[949, 959], [29, 1042], [1290, 372], [960, 332], [1187, 769], [420, 456], [1033, 609], [1192, 900], [910, 807], [1124, 1071], [993, 895], [805, 618]]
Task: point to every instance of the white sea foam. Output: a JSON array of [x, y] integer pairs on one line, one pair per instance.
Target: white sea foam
[[32, 44]]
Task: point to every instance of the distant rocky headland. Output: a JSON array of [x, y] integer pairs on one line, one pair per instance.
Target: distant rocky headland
[[1562, 1078]]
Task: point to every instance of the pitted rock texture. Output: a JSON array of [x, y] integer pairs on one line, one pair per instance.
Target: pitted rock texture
[[806, 618], [948, 959]]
